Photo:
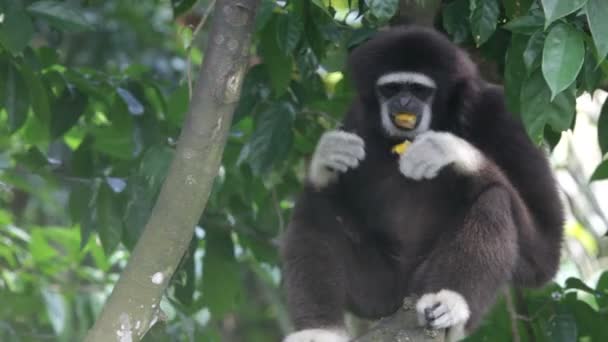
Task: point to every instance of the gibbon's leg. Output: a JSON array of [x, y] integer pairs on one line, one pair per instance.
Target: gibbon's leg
[[313, 251], [465, 270]]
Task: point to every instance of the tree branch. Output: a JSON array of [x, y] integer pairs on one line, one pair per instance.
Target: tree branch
[[401, 326], [133, 306]]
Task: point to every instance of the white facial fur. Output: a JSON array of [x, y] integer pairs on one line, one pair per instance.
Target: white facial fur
[[445, 309], [405, 77], [432, 151], [318, 335], [337, 151]]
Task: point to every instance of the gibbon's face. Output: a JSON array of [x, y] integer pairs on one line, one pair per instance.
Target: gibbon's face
[[405, 100]]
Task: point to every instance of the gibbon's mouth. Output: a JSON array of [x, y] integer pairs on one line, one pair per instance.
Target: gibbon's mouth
[[405, 120]]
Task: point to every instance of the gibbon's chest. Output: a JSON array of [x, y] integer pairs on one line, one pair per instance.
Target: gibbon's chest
[[383, 200]]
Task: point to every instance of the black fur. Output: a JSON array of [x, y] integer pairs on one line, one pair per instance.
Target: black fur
[[373, 237]]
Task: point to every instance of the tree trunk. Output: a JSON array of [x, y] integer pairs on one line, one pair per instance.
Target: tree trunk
[[133, 306]]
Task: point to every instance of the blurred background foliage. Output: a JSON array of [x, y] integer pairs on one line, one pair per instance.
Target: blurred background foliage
[[92, 96]]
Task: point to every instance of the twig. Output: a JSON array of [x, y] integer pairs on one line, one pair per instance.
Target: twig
[[197, 29], [513, 315]]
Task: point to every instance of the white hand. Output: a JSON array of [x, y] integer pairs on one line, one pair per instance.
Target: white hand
[[432, 151], [337, 151], [444, 310]]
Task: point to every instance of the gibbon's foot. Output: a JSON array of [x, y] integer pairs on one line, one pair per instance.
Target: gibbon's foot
[[444, 310], [318, 335], [337, 151], [432, 151]]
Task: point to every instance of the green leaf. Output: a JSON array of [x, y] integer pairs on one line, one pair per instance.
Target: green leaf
[[455, 20], [67, 109], [597, 12], [575, 283], [538, 109], [563, 57], [602, 289], [277, 63], [484, 17], [16, 29], [109, 223], [590, 77], [181, 6], [534, 51], [63, 15], [515, 72], [383, 10], [56, 309], [601, 172], [516, 8], [39, 95], [220, 296], [289, 30], [562, 328], [15, 96], [528, 24], [555, 9], [272, 138], [177, 105], [602, 128]]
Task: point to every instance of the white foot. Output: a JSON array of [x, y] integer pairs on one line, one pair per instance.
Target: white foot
[[432, 151], [444, 310], [318, 335]]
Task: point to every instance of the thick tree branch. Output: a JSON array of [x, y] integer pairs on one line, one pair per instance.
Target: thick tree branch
[[133, 306], [401, 326]]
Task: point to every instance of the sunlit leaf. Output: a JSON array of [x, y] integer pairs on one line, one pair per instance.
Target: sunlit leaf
[[563, 57], [527, 24]]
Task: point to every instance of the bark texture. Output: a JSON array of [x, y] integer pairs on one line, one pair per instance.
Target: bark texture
[[133, 306]]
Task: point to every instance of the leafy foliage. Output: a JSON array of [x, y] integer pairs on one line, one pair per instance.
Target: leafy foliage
[[92, 99]]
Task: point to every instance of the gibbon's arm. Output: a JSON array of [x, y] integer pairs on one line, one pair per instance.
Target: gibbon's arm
[[432, 151], [536, 203]]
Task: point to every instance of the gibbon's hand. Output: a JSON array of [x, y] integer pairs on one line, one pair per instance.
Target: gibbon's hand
[[337, 151], [445, 309], [432, 151]]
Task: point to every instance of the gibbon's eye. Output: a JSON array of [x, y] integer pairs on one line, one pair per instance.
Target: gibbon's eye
[[420, 91], [388, 90]]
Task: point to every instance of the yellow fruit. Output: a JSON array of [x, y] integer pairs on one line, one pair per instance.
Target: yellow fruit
[[401, 148], [406, 120]]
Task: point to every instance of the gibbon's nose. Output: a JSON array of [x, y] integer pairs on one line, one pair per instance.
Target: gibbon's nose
[[404, 101]]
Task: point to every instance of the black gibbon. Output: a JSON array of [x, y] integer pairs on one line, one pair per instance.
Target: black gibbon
[[470, 207]]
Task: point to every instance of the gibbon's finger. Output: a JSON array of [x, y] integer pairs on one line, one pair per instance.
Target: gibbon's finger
[[344, 160], [352, 151], [338, 137]]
